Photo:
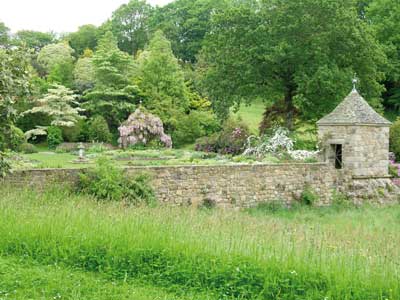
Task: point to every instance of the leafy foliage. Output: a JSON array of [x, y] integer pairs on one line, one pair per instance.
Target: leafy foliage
[[85, 38], [107, 182], [395, 138], [231, 140], [129, 24], [308, 196], [112, 67], [28, 148], [4, 34], [54, 54], [185, 23], [61, 105], [194, 125], [291, 55], [17, 138], [62, 74], [113, 96], [5, 166], [98, 130], [84, 74], [33, 39], [14, 85], [162, 81], [54, 137]]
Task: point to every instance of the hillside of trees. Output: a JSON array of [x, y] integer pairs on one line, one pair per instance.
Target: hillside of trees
[[193, 62]]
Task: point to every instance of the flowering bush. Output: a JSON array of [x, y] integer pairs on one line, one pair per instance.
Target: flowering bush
[[231, 140], [142, 128], [279, 144]]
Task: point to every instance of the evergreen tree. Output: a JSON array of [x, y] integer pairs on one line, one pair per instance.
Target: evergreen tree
[[162, 80], [113, 96]]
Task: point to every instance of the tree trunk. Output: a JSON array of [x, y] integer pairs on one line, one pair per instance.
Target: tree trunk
[[289, 108]]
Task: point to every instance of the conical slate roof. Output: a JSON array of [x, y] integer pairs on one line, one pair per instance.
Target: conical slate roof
[[354, 110]]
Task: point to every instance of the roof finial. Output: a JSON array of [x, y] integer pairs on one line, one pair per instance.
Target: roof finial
[[355, 81]]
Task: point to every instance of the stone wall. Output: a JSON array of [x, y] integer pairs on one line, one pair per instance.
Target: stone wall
[[237, 185], [229, 185], [365, 148]]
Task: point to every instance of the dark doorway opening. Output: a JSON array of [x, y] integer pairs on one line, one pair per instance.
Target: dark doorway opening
[[338, 156]]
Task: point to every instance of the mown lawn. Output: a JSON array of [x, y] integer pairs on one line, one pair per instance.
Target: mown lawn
[[326, 253]]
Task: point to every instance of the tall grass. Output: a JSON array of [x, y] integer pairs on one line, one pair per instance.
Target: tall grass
[[313, 254]]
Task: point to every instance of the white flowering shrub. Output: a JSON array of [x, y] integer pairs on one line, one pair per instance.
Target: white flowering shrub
[[142, 128], [279, 144]]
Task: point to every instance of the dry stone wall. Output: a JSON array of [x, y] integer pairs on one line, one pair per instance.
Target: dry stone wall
[[227, 186]]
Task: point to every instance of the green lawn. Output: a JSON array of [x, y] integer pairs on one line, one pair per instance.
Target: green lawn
[[252, 114], [166, 157], [61, 242]]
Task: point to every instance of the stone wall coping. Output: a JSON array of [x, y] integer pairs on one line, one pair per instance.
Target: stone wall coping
[[181, 166], [354, 124], [358, 177]]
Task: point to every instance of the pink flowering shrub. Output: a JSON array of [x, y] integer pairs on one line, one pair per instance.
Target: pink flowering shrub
[[142, 128]]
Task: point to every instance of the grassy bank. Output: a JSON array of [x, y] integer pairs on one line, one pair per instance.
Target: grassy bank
[[309, 254], [22, 279]]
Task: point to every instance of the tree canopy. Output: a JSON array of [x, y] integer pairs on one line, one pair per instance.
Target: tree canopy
[[129, 24], [298, 56], [85, 38]]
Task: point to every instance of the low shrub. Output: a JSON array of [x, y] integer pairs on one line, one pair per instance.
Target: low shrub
[[207, 144], [73, 134], [97, 148], [106, 181], [5, 166], [193, 126], [231, 140], [308, 196], [394, 170], [54, 137], [98, 130], [340, 200], [17, 138], [27, 148]]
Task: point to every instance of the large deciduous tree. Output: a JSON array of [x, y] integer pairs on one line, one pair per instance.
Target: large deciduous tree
[[384, 16], [298, 56], [84, 72], [54, 54], [33, 39], [129, 24], [85, 38], [185, 23]]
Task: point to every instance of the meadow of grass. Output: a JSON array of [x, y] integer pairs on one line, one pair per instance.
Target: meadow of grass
[[22, 279], [185, 252]]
